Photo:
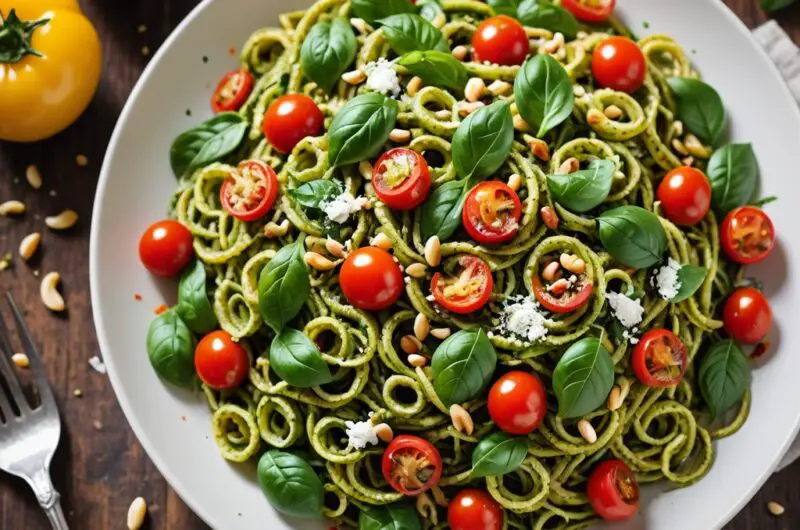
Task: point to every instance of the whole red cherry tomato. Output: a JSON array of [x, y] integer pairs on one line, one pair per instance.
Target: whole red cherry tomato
[[501, 40], [518, 403], [747, 235], [411, 465], [619, 64], [166, 248], [401, 179], [747, 315], [491, 213], [474, 509], [220, 362], [685, 195], [659, 359], [613, 491], [232, 91], [291, 118], [370, 279], [250, 191]]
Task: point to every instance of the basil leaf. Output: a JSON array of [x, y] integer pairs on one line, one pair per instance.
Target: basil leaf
[[209, 142], [463, 366], [408, 32], [283, 286], [429, 9], [733, 172], [313, 194], [436, 68], [360, 128], [543, 92], [296, 360], [633, 236], [583, 190], [483, 141], [771, 6], [539, 14], [504, 7], [290, 484], [699, 107], [170, 348], [724, 376], [760, 203], [194, 307], [441, 212], [498, 454], [397, 516], [373, 10], [691, 278], [583, 378], [328, 50]]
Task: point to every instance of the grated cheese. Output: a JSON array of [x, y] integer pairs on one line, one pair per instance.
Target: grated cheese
[[382, 78], [98, 365], [628, 311], [667, 281], [360, 434], [522, 318], [342, 207]]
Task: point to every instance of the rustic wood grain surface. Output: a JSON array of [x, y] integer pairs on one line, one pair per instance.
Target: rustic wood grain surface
[[100, 467]]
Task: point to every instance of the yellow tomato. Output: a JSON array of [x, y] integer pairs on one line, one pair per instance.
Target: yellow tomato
[[50, 61]]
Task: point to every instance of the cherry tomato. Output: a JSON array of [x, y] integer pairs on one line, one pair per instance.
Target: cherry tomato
[[221, 363], [501, 40], [619, 64], [518, 403], [474, 510], [370, 279], [468, 290], [747, 315], [411, 465], [571, 299], [613, 491], [166, 248], [249, 192], [685, 195], [589, 10], [232, 91], [747, 235], [491, 213], [401, 179], [291, 118], [659, 359]]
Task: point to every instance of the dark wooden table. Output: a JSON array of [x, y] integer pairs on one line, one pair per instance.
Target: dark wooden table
[[100, 467]]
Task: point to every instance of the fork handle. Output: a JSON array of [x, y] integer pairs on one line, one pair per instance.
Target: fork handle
[[49, 499]]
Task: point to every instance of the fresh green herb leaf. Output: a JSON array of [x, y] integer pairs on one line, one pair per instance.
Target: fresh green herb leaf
[[328, 50], [543, 92], [498, 454], [760, 203], [397, 516], [374, 10], [194, 306], [290, 484], [770, 6], [317, 192], [436, 68], [733, 173], [691, 278], [360, 128], [463, 365], [483, 141], [583, 378], [296, 360], [504, 7], [724, 376], [209, 142], [429, 9], [283, 286], [583, 190], [441, 212], [407, 33], [699, 107], [170, 348], [633, 236], [541, 14]]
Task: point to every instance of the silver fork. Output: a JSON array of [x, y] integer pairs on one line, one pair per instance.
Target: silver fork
[[29, 436]]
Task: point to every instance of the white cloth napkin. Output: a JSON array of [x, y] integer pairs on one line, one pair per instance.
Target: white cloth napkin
[[786, 55]]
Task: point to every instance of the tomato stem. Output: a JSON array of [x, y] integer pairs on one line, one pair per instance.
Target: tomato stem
[[15, 37]]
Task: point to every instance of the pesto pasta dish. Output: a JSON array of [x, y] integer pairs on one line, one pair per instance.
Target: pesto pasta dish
[[463, 264]]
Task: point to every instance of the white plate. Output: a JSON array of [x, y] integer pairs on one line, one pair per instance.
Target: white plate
[[136, 184]]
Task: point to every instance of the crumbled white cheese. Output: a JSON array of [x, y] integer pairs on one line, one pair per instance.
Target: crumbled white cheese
[[98, 365], [628, 311], [342, 207], [523, 318], [381, 77], [360, 434], [630, 336], [667, 281]]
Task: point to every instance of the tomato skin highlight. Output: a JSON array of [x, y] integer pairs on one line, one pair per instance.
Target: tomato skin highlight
[[259, 171], [408, 446], [481, 203], [166, 248], [518, 403], [474, 300], [619, 64], [474, 509], [737, 225], [587, 13], [501, 40], [645, 351], [232, 91], [553, 304], [747, 315], [608, 500], [220, 362], [291, 118], [410, 193], [685, 195], [370, 279]]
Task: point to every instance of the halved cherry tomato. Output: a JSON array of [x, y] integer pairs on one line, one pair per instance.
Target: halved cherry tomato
[[501, 40], [370, 279], [401, 179], [747, 315], [619, 64], [747, 235], [166, 248], [571, 299], [220, 362], [491, 213], [291, 118], [659, 359], [518, 403], [468, 289], [589, 10], [685, 195], [613, 491], [232, 91], [474, 510], [249, 192], [411, 465]]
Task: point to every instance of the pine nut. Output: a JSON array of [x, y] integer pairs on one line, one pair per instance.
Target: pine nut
[[615, 398], [578, 266], [81, 160], [578, 91], [63, 221], [28, 246], [515, 181], [439, 20], [48, 291], [410, 344], [382, 241], [595, 117], [775, 508], [273, 230], [613, 112], [570, 166], [414, 86], [567, 260], [587, 431], [539, 148], [520, 124], [460, 52], [335, 248], [360, 24], [500, 88], [679, 147], [558, 287], [33, 176], [474, 89], [433, 251], [462, 420], [422, 326], [550, 272], [549, 217], [441, 333], [21, 360], [677, 127], [12, 208], [551, 46], [319, 262], [416, 270], [356, 77], [136, 513], [400, 136], [365, 169], [696, 147], [384, 432], [444, 114], [417, 361], [465, 109]]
